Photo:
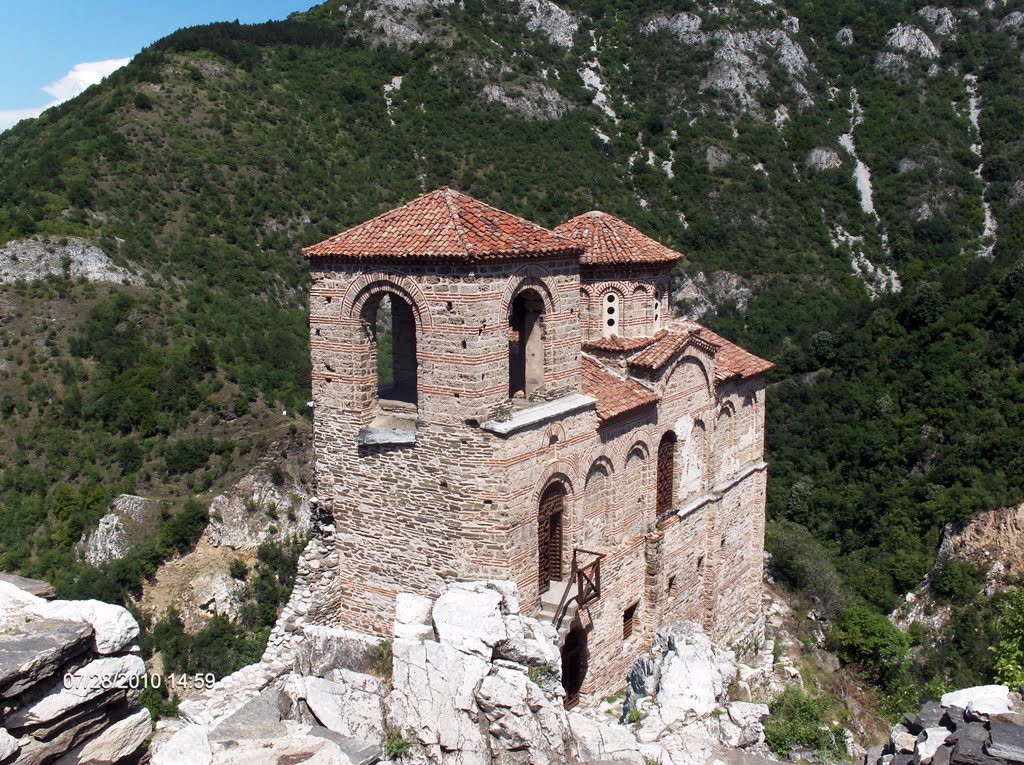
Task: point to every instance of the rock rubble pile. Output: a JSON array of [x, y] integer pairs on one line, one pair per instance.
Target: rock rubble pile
[[983, 725], [69, 680]]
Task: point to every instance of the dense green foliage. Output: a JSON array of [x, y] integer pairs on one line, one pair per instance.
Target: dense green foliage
[[207, 162]]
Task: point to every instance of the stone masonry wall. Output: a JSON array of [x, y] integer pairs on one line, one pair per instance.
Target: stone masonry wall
[[461, 502], [636, 287]]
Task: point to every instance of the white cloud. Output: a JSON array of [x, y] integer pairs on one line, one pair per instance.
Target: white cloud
[[81, 77], [11, 117], [70, 85]]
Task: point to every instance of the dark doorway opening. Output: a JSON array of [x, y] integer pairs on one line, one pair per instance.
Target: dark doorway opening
[[549, 536], [574, 664]]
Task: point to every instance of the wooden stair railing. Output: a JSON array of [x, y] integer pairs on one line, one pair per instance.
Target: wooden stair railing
[[585, 579]]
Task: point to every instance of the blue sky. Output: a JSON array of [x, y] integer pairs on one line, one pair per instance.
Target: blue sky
[[51, 50]]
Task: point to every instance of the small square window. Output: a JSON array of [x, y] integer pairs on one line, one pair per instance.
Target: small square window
[[627, 620]]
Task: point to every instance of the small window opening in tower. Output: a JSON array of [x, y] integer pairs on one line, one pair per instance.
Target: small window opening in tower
[[628, 619], [657, 310], [393, 329], [611, 315], [525, 345]]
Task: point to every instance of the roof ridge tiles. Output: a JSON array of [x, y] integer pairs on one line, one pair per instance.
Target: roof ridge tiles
[[445, 224]]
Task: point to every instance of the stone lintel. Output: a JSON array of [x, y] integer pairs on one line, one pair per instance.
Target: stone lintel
[[385, 437], [541, 413], [717, 492]]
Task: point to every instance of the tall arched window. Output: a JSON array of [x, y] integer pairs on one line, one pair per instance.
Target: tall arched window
[[525, 344], [657, 310], [666, 474], [610, 314], [393, 333]]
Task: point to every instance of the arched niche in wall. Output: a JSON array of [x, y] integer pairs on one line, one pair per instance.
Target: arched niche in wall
[[693, 457]]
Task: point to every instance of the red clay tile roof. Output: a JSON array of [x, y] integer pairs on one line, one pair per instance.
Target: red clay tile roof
[[609, 240], [445, 225], [730, 360], [615, 344], [615, 395]]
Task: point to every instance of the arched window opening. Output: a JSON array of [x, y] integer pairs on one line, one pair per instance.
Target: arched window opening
[[393, 332], [610, 326], [657, 310], [549, 536], [666, 474], [526, 344]]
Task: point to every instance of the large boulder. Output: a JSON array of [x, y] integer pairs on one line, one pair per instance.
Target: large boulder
[[470, 620], [114, 628], [349, 703], [97, 678], [598, 741], [689, 673], [114, 743], [190, 744], [982, 699], [433, 697]]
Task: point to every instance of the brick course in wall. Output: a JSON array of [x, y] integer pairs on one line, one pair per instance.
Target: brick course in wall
[[450, 488]]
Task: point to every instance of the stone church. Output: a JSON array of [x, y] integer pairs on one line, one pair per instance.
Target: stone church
[[538, 415]]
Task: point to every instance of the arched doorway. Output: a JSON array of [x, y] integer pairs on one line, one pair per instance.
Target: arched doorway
[[549, 536], [666, 473], [574, 664]]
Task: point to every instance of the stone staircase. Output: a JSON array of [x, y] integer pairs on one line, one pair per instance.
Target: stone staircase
[[549, 604]]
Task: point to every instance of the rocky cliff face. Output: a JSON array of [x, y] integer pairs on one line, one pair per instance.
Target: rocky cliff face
[[469, 680], [70, 257], [69, 681]]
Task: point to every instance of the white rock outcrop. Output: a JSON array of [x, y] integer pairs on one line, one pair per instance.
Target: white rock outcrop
[[546, 17], [128, 520], [705, 293], [533, 100], [941, 19], [741, 59], [823, 159], [39, 257], [912, 40], [473, 682]]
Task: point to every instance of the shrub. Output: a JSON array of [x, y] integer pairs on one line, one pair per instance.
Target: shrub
[[238, 570], [1009, 651], [395, 743], [799, 719], [871, 642]]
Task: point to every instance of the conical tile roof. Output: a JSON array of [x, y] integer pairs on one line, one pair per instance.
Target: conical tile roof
[[445, 225], [611, 241]]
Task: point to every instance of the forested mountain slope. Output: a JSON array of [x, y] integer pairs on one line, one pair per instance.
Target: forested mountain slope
[[846, 180]]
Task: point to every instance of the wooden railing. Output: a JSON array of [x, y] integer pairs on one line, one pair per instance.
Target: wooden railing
[[586, 580]]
